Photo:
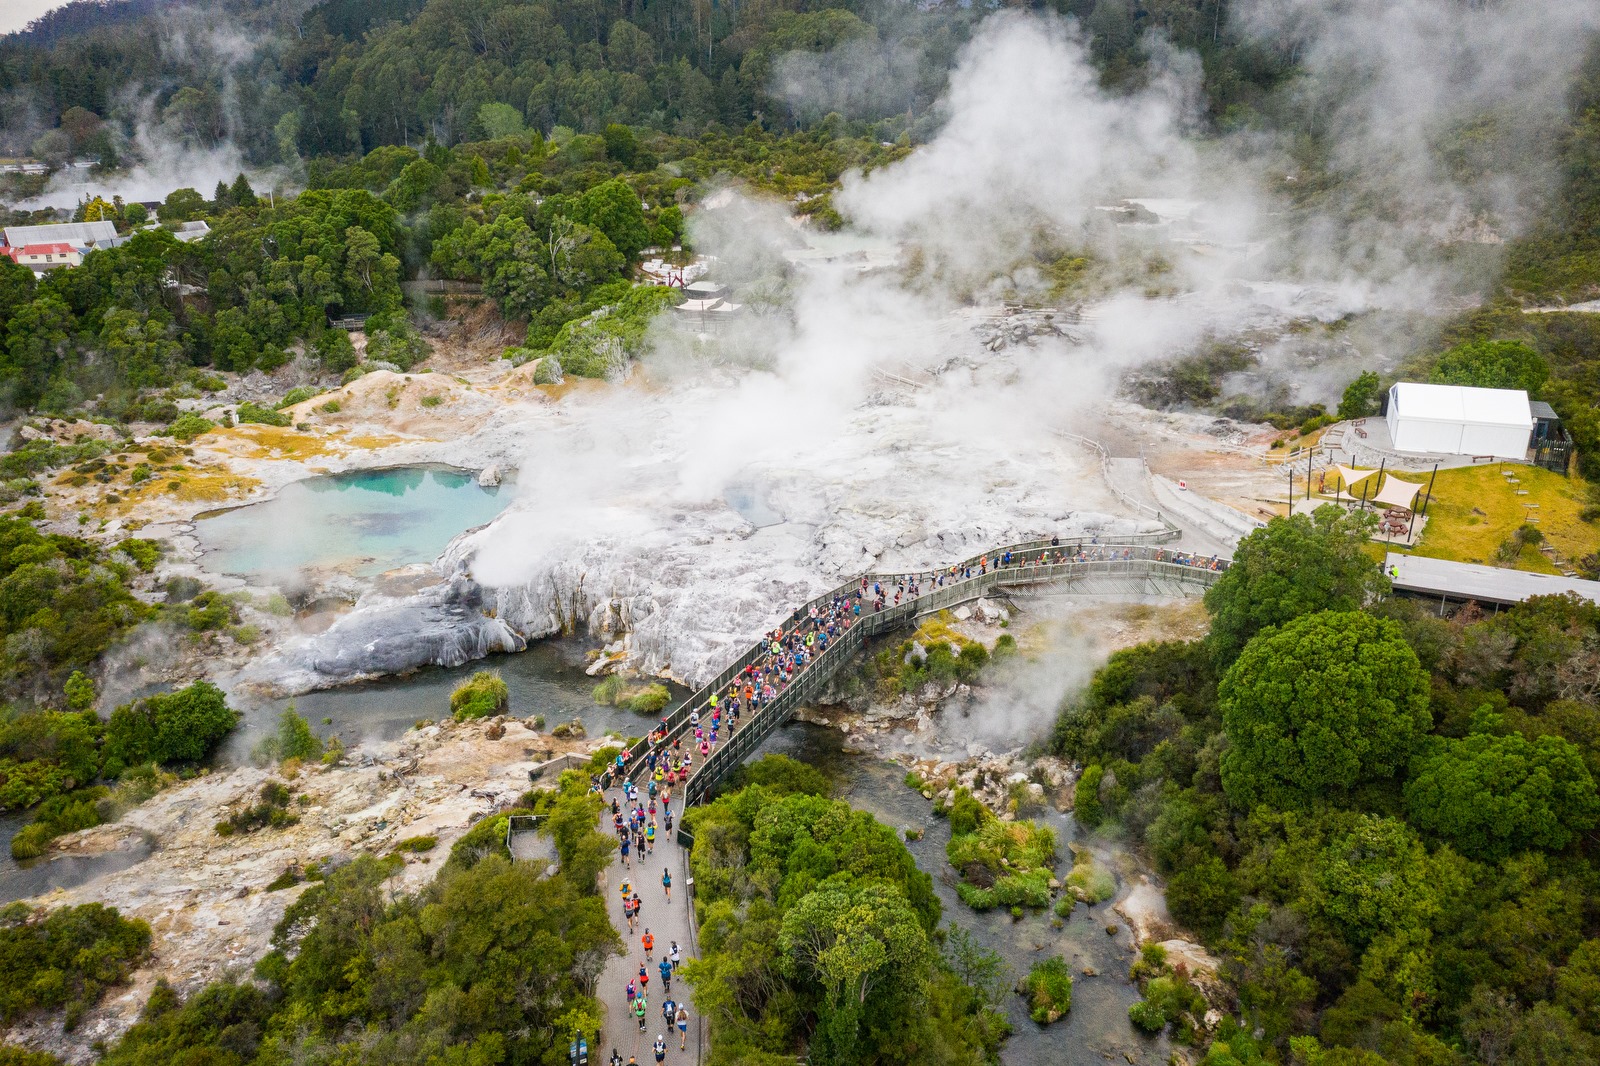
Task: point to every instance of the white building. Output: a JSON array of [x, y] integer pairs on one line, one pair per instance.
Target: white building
[[1459, 420], [86, 236]]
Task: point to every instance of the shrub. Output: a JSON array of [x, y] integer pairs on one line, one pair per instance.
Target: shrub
[[1091, 882], [292, 740], [288, 879], [548, 372], [649, 700], [209, 611], [431, 400], [300, 394], [188, 427], [1048, 988], [172, 727], [973, 658], [66, 959], [270, 812], [417, 845], [182, 589], [966, 814], [1031, 889], [481, 695], [255, 413], [1086, 797], [1147, 1017], [144, 553], [330, 408]]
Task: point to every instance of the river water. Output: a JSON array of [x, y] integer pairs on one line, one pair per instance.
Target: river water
[[19, 880]]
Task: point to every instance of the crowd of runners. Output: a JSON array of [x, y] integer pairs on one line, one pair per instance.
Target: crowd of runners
[[786, 651], [641, 811]]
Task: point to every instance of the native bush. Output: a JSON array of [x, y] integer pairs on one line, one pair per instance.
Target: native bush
[[1048, 990], [483, 694]]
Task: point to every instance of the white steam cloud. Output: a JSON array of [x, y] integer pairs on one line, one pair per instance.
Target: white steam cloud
[[861, 408]]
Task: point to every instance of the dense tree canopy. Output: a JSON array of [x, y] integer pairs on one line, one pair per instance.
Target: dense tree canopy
[[1291, 567], [1312, 710], [1489, 795], [816, 922], [1493, 365]]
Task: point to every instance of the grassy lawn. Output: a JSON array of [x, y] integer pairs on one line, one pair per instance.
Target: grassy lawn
[[1475, 509]]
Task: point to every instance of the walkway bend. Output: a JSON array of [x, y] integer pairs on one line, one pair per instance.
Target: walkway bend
[[1131, 565]]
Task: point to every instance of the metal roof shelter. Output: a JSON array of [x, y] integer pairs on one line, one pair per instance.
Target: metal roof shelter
[[78, 234], [1459, 420], [1441, 579]]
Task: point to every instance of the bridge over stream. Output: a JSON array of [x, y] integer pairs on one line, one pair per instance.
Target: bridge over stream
[[1133, 565]]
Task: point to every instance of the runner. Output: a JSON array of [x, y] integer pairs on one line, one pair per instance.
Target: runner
[[676, 956], [649, 943], [683, 1028], [660, 1048], [666, 975], [666, 874]]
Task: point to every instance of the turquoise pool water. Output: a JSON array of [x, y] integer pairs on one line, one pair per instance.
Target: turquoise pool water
[[363, 523]]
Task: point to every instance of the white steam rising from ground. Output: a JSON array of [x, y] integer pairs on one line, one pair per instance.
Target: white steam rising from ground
[[623, 523]]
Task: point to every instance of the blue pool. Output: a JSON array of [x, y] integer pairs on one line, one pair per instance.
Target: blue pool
[[362, 523]]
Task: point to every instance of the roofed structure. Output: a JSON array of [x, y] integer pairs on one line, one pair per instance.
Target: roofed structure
[[1459, 420], [85, 235], [1441, 579]]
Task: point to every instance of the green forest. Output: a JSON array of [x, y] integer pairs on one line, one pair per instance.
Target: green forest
[[1383, 822], [819, 932]]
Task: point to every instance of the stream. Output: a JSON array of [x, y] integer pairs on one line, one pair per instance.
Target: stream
[[1096, 1029], [548, 679], [30, 877]]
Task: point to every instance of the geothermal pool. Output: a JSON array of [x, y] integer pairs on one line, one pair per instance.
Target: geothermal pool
[[363, 523]]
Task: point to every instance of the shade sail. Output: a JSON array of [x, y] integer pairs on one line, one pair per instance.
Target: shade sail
[[1397, 493], [1351, 477]]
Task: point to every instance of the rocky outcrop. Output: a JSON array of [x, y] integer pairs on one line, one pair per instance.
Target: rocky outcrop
[[688, 599]]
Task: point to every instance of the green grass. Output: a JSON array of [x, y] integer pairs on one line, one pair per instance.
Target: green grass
[[1475, 509], [1089, 881]]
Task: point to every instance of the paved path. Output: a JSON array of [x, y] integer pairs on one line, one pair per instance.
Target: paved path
[[668, 922]]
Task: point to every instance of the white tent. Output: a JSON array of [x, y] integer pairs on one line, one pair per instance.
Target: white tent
[[1458, 420]]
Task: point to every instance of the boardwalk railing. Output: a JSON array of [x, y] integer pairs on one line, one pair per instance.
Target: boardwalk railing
[[1158, 568]]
